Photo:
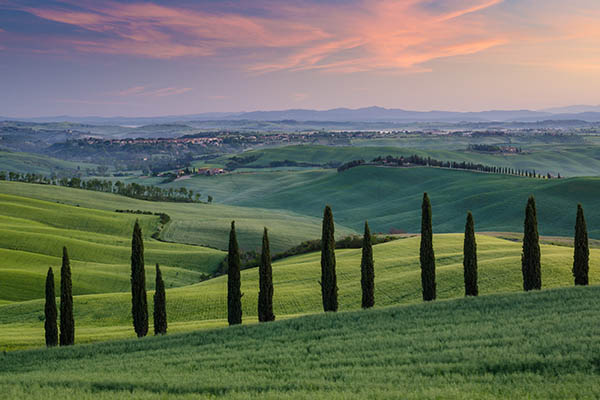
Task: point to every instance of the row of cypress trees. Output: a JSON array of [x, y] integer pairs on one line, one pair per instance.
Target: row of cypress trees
[[530, 264], [67, 323], [139, 302], [139, 305], [530, 258], [234, 291], [329, 290], [328, 282]]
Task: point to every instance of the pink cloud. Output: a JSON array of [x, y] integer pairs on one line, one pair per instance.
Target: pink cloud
[[157, 31], [169, 91], [366, 35], [391, 35], [299, 96], [131, 91]]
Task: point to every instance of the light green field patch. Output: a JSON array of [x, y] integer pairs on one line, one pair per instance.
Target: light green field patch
[[33, 233]]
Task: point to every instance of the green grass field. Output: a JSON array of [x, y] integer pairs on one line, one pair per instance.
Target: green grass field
[[38, 164], [33, 232], [391, 197], [541, 345], [397, 281], [199, 224], [566, 159]]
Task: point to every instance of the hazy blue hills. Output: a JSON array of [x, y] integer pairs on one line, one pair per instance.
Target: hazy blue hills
[[367, 114]]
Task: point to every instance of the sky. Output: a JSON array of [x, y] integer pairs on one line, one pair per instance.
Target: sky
[[171, 57]]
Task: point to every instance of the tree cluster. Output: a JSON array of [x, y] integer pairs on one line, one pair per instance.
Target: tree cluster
[[350, 164], [431, 162], [133, 190]]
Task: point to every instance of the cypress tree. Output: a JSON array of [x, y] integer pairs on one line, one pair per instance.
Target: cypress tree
[[234, 293], [427, 257], [50, 312], [470, 258], [367, 272], [530, 259], [67, 324], [328, 277], [581, 256], [265, 294], [160, 305], [139, 301]]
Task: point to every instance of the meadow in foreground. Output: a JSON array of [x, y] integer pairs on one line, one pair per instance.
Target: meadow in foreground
[[539, 345]]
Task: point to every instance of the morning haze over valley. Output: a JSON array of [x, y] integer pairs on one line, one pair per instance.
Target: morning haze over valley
[[299, 199]]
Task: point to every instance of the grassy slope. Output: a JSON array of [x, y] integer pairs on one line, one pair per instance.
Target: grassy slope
[[568, 160], [37, 164], [33, 232], [542, 345], [397, 280], [391, 197], [192, 223]]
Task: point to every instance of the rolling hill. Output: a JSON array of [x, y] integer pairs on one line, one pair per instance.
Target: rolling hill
[[566, 159], [391, 197], [198, 224], [33, 232], [296, 288], [540, 345], [39, 164]]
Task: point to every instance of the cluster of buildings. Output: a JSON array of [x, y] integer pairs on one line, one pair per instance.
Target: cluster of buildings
[[153, 141], [200, 171]]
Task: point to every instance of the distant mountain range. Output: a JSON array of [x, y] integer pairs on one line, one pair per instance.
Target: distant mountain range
[[368, 114], [573, 109]]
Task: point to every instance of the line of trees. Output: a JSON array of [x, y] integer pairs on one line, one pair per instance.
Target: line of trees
[[133, 190], [431, 162], [67, 323], [530, 265]]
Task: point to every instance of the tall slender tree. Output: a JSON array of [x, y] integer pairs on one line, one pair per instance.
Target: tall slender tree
[[139, 301], [530, 259], [234, 292], [265, 294], [581, 256], [160, 305], [367, 271], [328, 276], [50, 311], [67, 323], [427, 256], [470, 258]]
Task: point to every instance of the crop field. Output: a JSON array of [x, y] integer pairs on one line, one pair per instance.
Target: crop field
[[566, 159], [37, 164], [198, 224], [33, 232], [295, 279], [391, 197], [541, 345]]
